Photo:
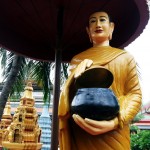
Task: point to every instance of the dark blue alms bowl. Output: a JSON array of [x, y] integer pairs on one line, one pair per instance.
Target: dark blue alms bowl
[[93, 98], [95, 103]]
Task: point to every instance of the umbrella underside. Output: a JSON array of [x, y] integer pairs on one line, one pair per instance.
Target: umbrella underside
[[36, 28]]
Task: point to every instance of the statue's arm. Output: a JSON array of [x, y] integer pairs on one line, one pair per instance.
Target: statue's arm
[[79, 67], [130, 102]]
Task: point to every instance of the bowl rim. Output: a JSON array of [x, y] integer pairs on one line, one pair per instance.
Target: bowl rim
[[83, 79]]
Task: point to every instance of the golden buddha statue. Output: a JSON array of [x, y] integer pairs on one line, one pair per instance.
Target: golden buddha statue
[[77, 133]]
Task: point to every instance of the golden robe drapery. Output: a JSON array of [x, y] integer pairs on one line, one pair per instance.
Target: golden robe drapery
[[125, 86]]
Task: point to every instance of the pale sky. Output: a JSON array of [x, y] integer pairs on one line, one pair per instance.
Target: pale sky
[[140, 49]]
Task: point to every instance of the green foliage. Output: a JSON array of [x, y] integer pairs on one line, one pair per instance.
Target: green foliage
[[138, 117], [65, 67], [134, 129], [141, 140], [7, 59], [29, 70], [40, 72], [15, 97]]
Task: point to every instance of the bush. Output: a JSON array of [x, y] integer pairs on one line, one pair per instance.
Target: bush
[[141, 140]]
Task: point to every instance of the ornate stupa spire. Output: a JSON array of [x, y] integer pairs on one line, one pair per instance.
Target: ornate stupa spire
[[45, 124], [6, 120], [28, 93], [24, 132], [7, 111]]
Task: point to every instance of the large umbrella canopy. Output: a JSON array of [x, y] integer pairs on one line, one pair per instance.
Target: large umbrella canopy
[[40, 28], [32, 27]]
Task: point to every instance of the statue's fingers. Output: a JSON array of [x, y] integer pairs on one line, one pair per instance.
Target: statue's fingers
[[83, 65], [89, 63], [78, 70]]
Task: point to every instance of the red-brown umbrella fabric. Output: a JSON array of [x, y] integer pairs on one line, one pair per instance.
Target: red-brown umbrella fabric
[[43, 29], [30, 27]]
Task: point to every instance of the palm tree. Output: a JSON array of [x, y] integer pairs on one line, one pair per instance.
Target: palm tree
[[39, 71], [18, 69], [15, 65]]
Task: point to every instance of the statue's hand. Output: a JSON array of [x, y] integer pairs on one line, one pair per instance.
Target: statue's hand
[[86, 63], [95, 127]]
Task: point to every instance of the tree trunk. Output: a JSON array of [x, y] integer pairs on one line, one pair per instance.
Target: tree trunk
[[16, 66]]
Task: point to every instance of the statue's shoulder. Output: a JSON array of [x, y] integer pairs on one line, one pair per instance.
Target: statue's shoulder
[[126, 55], [80, 56]]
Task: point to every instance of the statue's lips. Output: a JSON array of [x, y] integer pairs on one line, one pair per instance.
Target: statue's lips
[[98, 31]]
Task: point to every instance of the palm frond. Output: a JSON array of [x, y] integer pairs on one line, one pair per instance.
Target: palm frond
[[65, 67], [40, 72], [20, 80]]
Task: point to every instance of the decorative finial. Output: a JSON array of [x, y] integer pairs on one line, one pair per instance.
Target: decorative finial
[[28, 91]]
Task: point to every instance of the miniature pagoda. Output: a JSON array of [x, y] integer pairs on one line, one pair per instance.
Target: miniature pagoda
[[24, 132], [45, 124], [5, 120]]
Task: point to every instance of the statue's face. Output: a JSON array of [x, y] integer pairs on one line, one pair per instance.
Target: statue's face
[[100, 27]]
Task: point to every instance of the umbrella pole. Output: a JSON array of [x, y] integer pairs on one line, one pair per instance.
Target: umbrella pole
[[56, 93]]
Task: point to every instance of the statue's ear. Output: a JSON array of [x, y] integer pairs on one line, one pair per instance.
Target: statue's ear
[[112, 26], [88, 32]]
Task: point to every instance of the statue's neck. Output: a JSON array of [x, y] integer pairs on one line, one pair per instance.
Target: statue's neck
[[105, 43]]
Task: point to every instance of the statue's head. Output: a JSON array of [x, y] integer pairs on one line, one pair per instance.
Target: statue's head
[[100, 28]]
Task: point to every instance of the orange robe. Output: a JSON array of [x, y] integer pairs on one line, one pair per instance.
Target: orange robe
[[125, 86]]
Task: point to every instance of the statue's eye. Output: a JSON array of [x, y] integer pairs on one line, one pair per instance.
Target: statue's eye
[[102, 19], [92, 21]]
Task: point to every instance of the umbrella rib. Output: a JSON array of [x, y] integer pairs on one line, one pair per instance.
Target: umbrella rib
[[19, 3], [38, 15]]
